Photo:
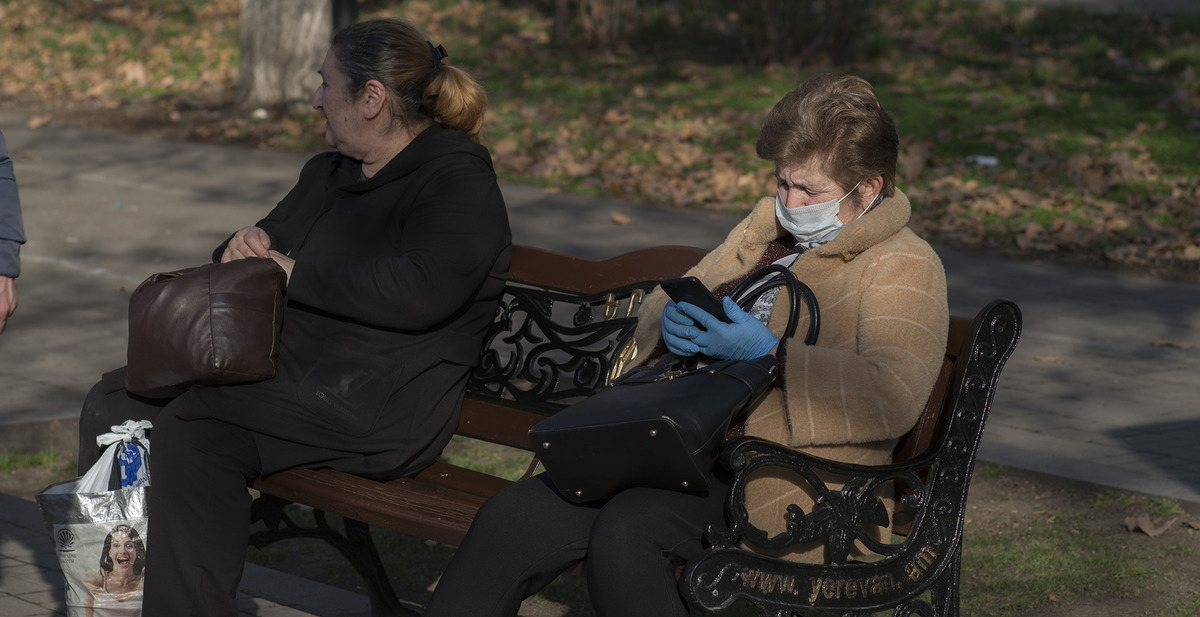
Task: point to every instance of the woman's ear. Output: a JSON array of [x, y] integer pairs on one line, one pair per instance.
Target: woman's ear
[[373, 99], [870, 190]]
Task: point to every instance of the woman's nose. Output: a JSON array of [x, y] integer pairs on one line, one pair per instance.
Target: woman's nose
[[790, 199]]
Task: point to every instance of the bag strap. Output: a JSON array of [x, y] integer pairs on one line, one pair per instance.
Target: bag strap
[[782, 276], [776, 275]]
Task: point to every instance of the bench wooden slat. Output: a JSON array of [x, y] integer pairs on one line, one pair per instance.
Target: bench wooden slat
[[919, 439], [590, 276], [495, 422], [437, 504], [461, 479]]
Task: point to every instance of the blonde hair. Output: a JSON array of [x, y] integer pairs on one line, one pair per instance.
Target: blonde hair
[[420, 84]]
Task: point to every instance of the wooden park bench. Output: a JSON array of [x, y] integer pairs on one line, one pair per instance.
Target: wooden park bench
[[563, 331]]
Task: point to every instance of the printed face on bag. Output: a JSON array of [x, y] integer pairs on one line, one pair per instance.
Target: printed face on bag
[[116, 587], [122, 552], [125, 554]]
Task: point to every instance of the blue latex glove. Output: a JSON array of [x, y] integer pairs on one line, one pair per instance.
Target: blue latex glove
[[745, 338], [678, 329]]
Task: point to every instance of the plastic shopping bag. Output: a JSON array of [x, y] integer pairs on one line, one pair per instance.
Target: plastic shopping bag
[[99, 533]]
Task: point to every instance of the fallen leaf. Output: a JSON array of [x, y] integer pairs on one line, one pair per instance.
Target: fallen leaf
[[505, 147], [1191, 524], [913, 157], [134, 72], [616, 116], [621, 219], [1053, 597], [1162, 342], [1047, 359], [1145, 525], [37, 122]]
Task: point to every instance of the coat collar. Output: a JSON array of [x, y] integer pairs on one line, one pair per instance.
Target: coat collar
[[881, 223]]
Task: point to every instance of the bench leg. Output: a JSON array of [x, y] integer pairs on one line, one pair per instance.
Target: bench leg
[[361, 552], [354, 543], [945, 589]]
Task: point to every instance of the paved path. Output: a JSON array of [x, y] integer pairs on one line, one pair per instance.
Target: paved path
[[1088, 395], [1163, 7]]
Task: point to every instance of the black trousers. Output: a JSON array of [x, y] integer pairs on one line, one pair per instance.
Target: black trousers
[[526, 535], [199, 504], [106, 404]]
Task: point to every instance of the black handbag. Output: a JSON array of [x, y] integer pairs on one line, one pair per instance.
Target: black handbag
[[662, 426]]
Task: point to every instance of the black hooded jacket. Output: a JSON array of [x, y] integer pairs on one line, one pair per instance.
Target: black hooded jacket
[[396, 280]]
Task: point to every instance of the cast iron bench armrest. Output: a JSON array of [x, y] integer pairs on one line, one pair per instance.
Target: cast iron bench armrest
[[934, 483]]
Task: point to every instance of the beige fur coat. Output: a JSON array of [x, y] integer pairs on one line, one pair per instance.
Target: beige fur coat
[[881, 291]]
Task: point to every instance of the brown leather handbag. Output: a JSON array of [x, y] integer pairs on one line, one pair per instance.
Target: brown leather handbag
[[210, 325]]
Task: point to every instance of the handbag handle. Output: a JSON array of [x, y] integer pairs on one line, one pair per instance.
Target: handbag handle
[[796, 288]]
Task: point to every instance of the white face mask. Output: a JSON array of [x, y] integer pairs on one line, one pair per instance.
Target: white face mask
[[811, 225]]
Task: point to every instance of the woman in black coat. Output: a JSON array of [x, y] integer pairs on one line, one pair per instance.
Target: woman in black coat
[[396, 248]]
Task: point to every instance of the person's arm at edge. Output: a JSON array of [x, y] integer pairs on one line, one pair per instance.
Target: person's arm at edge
[[12, 236]]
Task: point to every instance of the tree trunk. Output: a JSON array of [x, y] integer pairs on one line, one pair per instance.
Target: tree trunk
[[283, 44], [345, 12]]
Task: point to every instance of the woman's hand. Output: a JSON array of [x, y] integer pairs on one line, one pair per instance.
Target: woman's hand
[[678, 329], [745, 338], [285, 262], [247, 242], [8, 300]]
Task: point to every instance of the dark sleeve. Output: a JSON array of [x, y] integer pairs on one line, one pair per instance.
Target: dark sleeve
[[12, 230], [450, 238]]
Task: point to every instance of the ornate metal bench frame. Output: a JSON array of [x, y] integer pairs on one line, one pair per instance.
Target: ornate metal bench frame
[[928, 559]]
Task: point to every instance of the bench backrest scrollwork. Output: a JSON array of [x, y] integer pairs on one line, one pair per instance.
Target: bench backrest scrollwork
[[564, 330]]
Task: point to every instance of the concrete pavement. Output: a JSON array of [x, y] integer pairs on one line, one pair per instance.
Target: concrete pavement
[[1088, 394]]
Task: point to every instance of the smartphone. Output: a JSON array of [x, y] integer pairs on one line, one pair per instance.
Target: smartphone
[[689, 289]]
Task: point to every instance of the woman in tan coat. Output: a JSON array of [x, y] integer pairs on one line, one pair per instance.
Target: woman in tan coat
[[836, 221]]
